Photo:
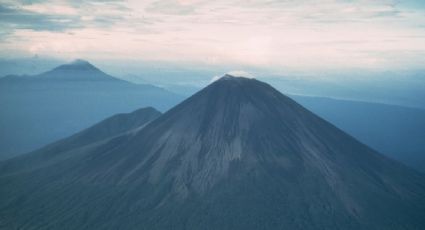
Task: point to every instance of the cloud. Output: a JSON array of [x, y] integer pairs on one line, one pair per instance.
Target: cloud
[[61, 15], [215, 78], [240, 73], [19, 18], [273, 34], [174, 7], [235, 73]]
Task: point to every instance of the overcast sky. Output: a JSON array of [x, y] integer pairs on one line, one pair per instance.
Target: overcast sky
[[377, 34]]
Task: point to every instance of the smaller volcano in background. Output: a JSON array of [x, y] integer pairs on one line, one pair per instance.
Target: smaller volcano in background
[[78, 70]]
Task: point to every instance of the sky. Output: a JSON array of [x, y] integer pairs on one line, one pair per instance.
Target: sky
[[269, 34]]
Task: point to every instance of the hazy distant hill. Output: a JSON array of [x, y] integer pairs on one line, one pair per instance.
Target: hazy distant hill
[[406, 88], [398, 132], [236, 155], [36, 110]]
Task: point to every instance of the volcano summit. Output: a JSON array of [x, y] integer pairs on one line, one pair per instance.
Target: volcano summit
[[236, 155]]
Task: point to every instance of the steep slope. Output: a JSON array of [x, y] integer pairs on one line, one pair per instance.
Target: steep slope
[[236, 155], [40, 109]]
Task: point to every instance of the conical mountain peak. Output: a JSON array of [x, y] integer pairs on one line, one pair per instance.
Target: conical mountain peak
[[77, 70], [80, 62], [232, 95], [77, 64]]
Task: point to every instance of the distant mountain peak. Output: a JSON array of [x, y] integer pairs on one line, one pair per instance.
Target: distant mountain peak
[[78, 69], [80, 62], [77, 64]]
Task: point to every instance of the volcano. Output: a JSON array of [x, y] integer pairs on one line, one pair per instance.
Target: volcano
[[77, 70], [236, 155]]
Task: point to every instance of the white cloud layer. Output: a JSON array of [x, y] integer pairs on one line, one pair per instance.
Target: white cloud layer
[[240, 73], [269, 34]]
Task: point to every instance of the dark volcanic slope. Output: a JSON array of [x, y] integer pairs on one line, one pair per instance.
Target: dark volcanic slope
[[115, 125], [100, 132], [236, 155]]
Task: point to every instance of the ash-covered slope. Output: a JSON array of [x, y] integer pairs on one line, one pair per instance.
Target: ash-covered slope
[[236, 155]]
